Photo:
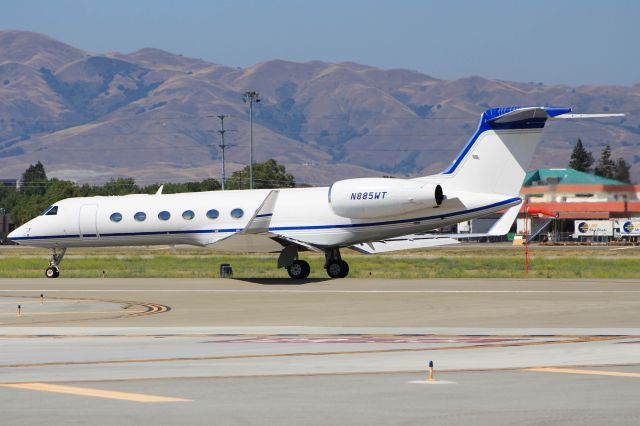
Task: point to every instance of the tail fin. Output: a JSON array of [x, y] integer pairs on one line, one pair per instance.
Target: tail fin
[[496, 157]]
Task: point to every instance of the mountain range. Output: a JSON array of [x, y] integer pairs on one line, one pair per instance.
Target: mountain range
[[152, 115]]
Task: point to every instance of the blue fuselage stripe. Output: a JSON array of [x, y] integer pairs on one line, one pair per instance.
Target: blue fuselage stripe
[[281, 228]]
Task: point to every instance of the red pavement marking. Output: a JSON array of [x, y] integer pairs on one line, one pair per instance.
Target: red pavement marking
[[275, 339]]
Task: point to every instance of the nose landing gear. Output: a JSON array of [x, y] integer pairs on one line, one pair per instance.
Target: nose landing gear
[[53, 271]]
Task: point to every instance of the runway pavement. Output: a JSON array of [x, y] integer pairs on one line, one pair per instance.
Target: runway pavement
[[319, 352]]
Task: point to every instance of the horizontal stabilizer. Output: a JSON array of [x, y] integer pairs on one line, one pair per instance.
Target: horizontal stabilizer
[[579, 116], [522, 116], [403, 243], [503, 225]]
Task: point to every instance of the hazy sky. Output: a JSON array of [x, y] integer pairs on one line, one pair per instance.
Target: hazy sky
[[551, 41]]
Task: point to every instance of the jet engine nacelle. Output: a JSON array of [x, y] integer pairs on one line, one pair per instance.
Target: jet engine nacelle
[[372, 198]]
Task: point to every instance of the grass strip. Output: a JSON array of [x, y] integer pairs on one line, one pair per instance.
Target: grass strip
[[376, 266]]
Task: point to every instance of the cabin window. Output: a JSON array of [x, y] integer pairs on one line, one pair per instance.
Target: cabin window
[[140, 216], [164, 215], [115, 217], [188, 214], [213, 214], [237, 213]]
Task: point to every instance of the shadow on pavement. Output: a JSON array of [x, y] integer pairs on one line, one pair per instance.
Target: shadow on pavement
[[283, 281]]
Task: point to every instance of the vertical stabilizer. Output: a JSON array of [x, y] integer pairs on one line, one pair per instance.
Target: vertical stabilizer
[[496, 157]]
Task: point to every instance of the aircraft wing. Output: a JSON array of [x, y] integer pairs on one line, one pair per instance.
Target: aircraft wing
[[254, 237], [417, 241]]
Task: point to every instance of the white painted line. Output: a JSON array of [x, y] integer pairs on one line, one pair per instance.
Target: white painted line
[[431, 382], [287, 291]]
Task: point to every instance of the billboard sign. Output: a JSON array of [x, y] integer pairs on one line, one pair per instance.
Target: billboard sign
[[593, 228], [629, 226]]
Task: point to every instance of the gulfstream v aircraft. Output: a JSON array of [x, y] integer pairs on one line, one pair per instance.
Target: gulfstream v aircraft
[[370, 215]]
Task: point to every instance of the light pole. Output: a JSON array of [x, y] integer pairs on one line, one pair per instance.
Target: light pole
[[251, 96]]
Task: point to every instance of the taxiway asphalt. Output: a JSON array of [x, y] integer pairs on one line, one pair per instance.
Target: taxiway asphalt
[[319, 352]]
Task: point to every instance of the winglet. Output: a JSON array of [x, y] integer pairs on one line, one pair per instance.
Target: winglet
[[159, 191], [261, 219]]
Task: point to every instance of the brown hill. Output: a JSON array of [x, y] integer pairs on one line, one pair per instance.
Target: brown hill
[[151, 114]]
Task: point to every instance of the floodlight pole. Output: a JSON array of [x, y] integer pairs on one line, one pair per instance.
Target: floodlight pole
[[251, 96]]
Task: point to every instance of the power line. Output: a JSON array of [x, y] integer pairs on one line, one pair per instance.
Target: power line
[[288, 134]]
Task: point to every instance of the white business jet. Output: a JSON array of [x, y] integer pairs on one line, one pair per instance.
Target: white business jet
[[371, 215]]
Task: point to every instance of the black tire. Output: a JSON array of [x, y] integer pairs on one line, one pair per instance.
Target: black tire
[[345, 268], [338, 269], [299, 270], [52, 272]]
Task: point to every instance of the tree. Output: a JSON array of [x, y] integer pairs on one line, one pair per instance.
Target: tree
[[622, 171], [61, 189], [120, 186], [34, 180], [266, 175], [581, 159], [606, 166]]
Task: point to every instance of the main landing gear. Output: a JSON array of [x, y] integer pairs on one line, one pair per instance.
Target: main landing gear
[[53, 271], [335, 266], [300, 269]]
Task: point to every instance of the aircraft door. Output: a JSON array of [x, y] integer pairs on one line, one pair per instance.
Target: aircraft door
[[87, 221]]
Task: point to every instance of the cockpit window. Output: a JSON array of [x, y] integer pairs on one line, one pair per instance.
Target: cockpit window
[[50, 211]]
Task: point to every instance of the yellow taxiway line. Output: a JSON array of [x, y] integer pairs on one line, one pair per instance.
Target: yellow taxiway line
[[589, 372], [97, 393]]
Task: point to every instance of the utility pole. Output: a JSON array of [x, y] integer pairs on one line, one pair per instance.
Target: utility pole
[[222, 146], [3, 234], [251, 96]]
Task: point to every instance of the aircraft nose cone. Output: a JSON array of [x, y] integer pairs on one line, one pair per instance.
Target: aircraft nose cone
[[16, 233]]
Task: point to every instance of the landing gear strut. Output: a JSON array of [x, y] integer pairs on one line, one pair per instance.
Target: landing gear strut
[[297, 269], [53, 271], [335, 266]]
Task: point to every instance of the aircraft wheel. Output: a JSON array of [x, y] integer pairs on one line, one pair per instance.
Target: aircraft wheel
[[299, 269], [338, 269], [52, 272]]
